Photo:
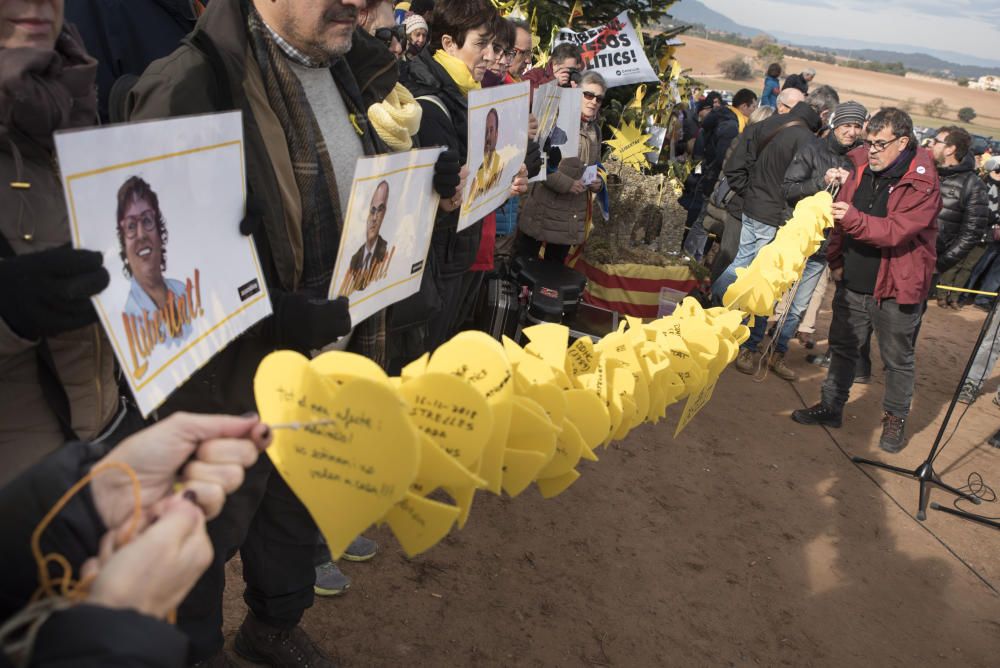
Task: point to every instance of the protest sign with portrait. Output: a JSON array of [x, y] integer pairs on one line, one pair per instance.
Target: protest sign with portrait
[[132, 192], [498, 141], [613, 50], [566, 134], [387, 231]]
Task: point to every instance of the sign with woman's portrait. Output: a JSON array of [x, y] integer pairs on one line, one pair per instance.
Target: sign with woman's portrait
[[387, 231], [163, 202]]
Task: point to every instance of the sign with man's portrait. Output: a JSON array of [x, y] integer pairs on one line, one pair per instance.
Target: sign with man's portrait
[[163, 202], [387, 231], [498, 142]]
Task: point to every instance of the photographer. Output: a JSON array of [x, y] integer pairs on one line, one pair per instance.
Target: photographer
[[563, 66]]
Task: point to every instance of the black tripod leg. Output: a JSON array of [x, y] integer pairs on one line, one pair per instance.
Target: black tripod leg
[[948, 488], [925, 495], [968, 516], [887, 467]]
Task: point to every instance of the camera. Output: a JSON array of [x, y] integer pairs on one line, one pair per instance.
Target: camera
[[574, 78]]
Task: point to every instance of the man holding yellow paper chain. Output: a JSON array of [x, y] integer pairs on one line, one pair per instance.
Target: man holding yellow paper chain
[[882, 255]]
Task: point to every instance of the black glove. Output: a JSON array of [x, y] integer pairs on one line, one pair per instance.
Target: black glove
[[49, 292], [252, 218], [446, 171], [310, 323], [555, 157], [533, 159]]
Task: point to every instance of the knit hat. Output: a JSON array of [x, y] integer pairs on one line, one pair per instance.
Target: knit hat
[[992, 164], [414, 22], [849, 112]]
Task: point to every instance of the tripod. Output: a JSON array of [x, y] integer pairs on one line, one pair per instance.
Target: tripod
[[925, 473]]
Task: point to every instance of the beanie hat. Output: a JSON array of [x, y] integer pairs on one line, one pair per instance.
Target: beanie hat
[[414, 22], [849, 112], [993, 164]]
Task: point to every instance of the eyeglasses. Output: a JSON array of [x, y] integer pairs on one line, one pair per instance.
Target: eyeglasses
[[500, 52], [386, 34], [934, 140], [878, 146], [519, 52], [377, 209], [587, 95], [131, 223]]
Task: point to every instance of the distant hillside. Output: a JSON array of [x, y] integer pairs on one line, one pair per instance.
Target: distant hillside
[[695, 12]]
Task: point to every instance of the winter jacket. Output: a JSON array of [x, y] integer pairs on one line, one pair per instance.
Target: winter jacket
[[769, 96], [127, 35], [758, 178], [906, 236], [83, 358], [964, 214], [84, 635], [796, 81], [550, 212], [215, 70], [719, 129], [806, 174]]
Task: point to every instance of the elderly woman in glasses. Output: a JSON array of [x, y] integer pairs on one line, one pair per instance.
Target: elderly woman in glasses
[[142, 241], [555, 210]]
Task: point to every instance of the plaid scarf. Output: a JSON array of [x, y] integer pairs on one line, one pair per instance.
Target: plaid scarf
[[315, 178]]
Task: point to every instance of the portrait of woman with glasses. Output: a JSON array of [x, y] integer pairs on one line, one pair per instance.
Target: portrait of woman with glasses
[[142, 243]]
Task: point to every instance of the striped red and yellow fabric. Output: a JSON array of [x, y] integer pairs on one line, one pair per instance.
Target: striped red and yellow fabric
[[632, 289]]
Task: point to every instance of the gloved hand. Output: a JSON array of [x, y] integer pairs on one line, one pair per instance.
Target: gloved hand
[[533, 159], [309, 323], [555, 157], [49, 292], [253, 218], [446, 177]]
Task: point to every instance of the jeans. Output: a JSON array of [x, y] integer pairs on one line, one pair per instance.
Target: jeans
[[694, 243], [807, 283], [987, 274], [987, 354], [855, 317], [754, 235]]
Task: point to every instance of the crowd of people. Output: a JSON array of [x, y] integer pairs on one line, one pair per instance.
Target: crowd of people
[[172, 497], [909, 216]]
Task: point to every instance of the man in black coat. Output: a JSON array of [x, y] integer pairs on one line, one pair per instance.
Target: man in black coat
[[964, 212], [800, 81], [756, 172]]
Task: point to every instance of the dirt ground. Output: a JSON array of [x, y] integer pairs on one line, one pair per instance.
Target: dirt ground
[[873, 89], [748, 540]]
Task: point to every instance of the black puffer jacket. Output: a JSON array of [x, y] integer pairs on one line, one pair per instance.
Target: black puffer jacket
[[758, 178], [964, 214], [720, 128]]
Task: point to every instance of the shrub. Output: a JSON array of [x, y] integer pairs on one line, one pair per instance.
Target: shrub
[[966, 114], [736, 68], [936, 108]]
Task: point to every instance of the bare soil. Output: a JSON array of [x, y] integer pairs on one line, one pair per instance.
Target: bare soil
[[750, 539], [873, 89]]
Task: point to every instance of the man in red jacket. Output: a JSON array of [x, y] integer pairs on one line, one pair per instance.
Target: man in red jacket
[[882, 255]]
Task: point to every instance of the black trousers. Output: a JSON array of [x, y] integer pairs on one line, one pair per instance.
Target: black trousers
[[530, 246], [276, 538]]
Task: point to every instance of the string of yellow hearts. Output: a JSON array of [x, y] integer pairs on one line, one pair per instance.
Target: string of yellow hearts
[[478, 414]]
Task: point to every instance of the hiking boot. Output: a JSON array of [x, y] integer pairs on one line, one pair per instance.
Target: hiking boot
[[969, 393], [747, 361], [818, 414], [262, 643], [942, 301], [360, 549], [862, 380], [994, 440], [330, 581], [806, 339], [893, 439], [819, 360], [780, 369]]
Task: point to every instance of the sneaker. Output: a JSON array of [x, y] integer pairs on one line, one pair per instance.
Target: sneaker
[[969, 393], [818, 414], [806, 339], [893, 440], [261, 643], [942, 301], [819, 360], [862, 380], [747, 361], [360, 549], [330, 581], [780, 369], [994, 440]]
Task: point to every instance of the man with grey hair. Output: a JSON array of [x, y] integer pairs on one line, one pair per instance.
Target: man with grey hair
[[522, 50], [788, 98], [800, 81], [756, 172]]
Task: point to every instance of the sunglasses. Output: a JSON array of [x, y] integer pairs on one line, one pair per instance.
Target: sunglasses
[[386, 34], [587, 95]]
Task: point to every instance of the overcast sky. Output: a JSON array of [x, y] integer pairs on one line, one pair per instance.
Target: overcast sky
[[965, 26]]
